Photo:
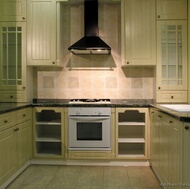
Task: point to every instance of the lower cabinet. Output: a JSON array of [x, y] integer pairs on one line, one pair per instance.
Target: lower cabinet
[[49, 132], [166, 148], [132, 133], [15, 144]]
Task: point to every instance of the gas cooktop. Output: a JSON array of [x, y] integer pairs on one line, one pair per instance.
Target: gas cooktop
[[93, 101]]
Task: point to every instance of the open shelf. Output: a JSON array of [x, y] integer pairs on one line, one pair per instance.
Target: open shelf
[[131, 125], [48, 133]]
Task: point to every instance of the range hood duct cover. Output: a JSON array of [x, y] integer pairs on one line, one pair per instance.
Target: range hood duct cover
[[91, 43]]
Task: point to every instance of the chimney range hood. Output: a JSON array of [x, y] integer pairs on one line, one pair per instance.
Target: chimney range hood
[[91, 43]]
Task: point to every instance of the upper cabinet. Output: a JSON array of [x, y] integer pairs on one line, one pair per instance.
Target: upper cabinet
[[13, 61], [172, 61], [41, 32], [138, 32], [171, 9], [13, 10]]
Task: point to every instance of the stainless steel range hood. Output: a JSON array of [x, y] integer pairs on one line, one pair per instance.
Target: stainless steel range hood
[[91, 43]]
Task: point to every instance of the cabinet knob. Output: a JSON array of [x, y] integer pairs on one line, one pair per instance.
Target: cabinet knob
[[53, 62], [159, 116], [159, 88], [158, 16], [172, 97], [5, 121], [23, 18], [186, 127], [170, 121], [11, 96], [24, 115], [127, 62], [17, 129]]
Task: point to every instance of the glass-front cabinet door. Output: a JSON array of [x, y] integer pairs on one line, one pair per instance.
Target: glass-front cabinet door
[[12, 58], [172, 57]]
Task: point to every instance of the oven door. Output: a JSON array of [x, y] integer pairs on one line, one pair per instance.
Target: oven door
[[89, 133]]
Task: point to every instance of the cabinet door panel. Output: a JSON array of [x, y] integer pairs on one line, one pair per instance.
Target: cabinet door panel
[[42, 33], [171, 9], [7, 154], [13, 10], [140, 35]]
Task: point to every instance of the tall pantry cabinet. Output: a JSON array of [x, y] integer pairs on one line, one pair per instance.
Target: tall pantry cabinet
[[13, 75], [171, 51]]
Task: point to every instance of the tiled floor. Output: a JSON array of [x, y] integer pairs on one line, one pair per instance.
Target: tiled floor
[[85, 177]]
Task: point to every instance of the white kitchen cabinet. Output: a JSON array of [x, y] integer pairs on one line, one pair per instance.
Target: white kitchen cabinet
[[49, 132], [13, 73], [171, 9], [12, 10], [138, 33], [41, 33], [172, 61], [15, 142], [132, 133], [166, 148]]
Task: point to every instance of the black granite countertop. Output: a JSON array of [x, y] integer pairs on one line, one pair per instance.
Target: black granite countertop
[[7, 107]]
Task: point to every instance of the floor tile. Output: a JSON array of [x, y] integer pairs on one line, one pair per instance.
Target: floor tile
[[85, 177]]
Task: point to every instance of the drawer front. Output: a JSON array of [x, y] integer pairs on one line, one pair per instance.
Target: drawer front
[[13, 96], [23, 115], [7, 120], [172, 96]]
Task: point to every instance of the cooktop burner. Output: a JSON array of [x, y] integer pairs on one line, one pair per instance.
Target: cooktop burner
[[100, 101]]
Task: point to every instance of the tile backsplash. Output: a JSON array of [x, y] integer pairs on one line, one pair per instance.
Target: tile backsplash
[[93, 76]]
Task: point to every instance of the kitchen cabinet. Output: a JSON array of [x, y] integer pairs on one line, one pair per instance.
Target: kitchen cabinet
[[13, 85], [15, 142], [138, 33], [186, 155], [132, 133], [171, 9], [166, 148], [12, 10], [49, 132], [172, 61], [41, 33]]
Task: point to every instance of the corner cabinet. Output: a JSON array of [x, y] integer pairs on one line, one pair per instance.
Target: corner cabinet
[[49, 132], [138, 33], [166, 148], [41, 33], [132, 133], [13, 62], [172, 61]]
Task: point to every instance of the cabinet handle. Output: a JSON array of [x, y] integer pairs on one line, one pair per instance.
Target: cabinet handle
[[187, 128], [17, 129]]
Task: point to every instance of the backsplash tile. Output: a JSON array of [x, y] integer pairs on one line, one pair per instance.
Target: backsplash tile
[[94, 76]]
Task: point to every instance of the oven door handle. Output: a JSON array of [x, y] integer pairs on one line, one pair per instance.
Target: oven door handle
[[89, 118]]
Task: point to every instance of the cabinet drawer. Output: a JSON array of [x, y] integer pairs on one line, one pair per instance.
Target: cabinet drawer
[[23, 115], [7, 120], [172, 96], [13, 96]]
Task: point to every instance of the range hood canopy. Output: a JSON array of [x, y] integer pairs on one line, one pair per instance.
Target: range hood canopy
[[91, 43]]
